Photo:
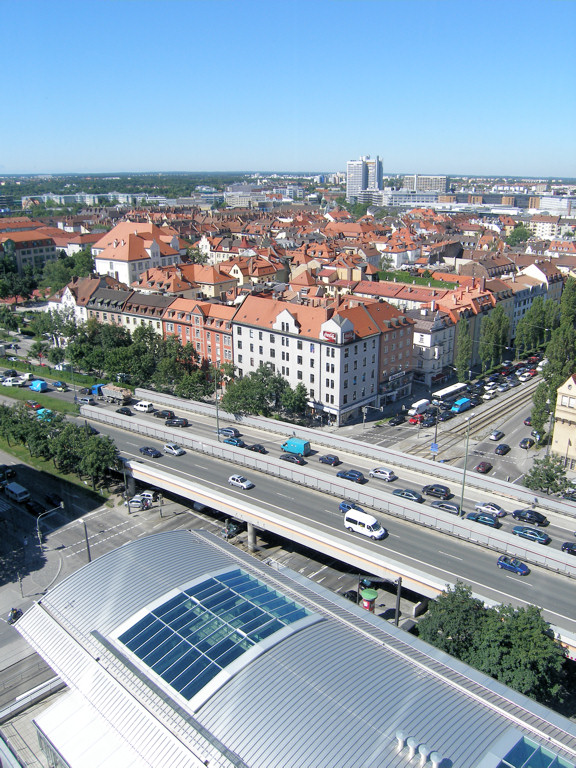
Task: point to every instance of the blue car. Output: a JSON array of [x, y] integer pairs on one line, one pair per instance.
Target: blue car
[[532, 534], [346, 506], [484, 518], [514, 565], [147, 450], [236, 441], [351, 474]]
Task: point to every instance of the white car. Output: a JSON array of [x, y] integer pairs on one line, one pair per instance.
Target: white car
[[383, 474], [489, 395], [238, 481], [524, 377], [497, 434], [490, 507], [174, 450], [138, 502]]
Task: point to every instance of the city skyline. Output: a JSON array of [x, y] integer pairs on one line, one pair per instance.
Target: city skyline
[[244, 86]]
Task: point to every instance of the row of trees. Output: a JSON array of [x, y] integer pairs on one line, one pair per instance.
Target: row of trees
[[513, 645], [71, 448]]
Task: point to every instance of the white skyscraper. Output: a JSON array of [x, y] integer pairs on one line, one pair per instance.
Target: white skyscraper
[[363, 174]]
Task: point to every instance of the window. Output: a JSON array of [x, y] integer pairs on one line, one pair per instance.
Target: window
[[259, 335], [239, 331], [299, 375], [311, 363], [298, 345], [239, 345], [311, 378], [345, 399], [260, 350], [299, 359], [251, 347], [272, 338], [251, 333], [272, 353]]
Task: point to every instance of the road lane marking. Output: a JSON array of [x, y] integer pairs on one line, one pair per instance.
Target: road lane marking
[[448, 554]]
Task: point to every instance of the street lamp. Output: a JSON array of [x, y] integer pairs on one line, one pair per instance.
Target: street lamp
[[550, 427], [365, 411], [216, 398], [468, 420], [43, 514], [88, 555]]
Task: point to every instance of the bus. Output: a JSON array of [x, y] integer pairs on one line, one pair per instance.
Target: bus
[[461, 405], [449, 394]]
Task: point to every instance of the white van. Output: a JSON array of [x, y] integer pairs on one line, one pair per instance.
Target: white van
[[12, 381], [143, 405], [360, 522], [419, 407], [17, 492]]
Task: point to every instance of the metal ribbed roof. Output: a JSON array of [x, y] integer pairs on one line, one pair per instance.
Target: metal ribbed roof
[[330, 695]]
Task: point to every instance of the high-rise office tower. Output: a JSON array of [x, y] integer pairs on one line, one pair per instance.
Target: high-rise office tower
[[363, 174]]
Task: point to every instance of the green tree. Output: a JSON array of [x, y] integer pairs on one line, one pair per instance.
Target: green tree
[[8, 319], [195, 256], [99, 454], [518, 235], [568, 303], [260, 392], [83, 263], [561, 354], [463, 349], [39, 349], [194, 386], [493, 337], [295, 400], [547, 474], [57, 274], [540, 407]]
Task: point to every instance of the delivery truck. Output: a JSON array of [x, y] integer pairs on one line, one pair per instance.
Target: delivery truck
[[296, 445]]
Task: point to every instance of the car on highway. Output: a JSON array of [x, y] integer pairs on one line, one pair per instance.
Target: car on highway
[[569, 547], [33, 405], [530, 516], [417, 418], [351, 474], [446, 416], [124, 410], [502, 449], [513, 564], [176, 422], [257, 448], [292, 458], [381, 473], [164, 414], [346, 506], [429, 421], [396, 420], [437, 490], [496, 435], [330, 459], [239, 481], [147, 450], [229, 432], [526, 443], [9, 373], [483, 468], [528, 421], [237, 442], [447, 506], [61, 386], [484, 518], [490, 507], [408, 493], [174, 449], [476, 400], [532, 534]]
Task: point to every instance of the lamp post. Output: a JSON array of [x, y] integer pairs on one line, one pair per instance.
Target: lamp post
[[88, 555], [216, 398], [468, 420], [365, 411], [550, 428], [43, 514]]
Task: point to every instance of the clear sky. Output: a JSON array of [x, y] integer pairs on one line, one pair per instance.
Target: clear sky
[[432, 86]]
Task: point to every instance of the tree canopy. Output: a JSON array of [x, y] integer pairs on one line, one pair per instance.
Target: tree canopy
[[547, 474], [518, 235]]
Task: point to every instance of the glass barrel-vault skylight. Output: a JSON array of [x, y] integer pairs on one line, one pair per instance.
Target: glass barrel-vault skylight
[[191, 637]]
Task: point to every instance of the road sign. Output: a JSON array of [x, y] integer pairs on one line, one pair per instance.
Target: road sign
[[434, 447]]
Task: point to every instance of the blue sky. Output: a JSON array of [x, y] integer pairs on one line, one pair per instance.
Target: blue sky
[[432, 86]]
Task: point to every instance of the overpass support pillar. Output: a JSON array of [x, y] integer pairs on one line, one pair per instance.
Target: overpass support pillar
[[251, 538]]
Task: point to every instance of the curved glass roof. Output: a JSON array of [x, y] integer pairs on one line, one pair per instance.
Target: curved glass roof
[[190, 638]]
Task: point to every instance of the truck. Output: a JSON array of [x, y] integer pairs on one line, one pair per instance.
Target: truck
[[296, 445], [461, 405], [419, 407], [38, 386], [112, 393]]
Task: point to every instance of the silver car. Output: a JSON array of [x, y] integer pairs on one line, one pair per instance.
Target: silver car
[[238, 481], [490, 507], [383, 474], [174, 450]]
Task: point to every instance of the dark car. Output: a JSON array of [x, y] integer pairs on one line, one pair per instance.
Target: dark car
[[346, 506], [447, 506], [237, 442], [147, 450], [54, 500], [351, 474], [429, 421], [331, 459], [34, 507], [484, 467], [176, 423], [124, 410], [257, 448], [9, 373], [351, 594], [437, 490], [514, 565], [165, 414], [528, 421], [484, 518], [532, 534], [293, 458], [502, 449], [526, 443], [33, 405], [408, 493], [530, 516], [229, 432], [396, 420], [446, 416], [476, 401], [569, 547]]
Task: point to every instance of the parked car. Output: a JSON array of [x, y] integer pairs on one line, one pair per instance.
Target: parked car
[[381, 473], [490, 507], [446, 416], [528, 421], [484, 467], [238, 481], [351, 474], [496, 435], [33, 405], [396, 420], [174, 449], [138, 502], [429, 421], [437, 490], [346, 506], [504, 387], [418, 418], [124, 410], [352, 595], [176, 422], [530, 516], [502, 449], [408, 493], [484, 518], [536, 435], [513, 382], [514, 565], [9, 372], [257, 448], [447, 506], [532, 534], [237, 442], [147, 450], [488, 395], [330, 459], [165, 414], [526, 443], [291, 458], [229, 432], [524, 377], [569, 547], [476, 400]]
